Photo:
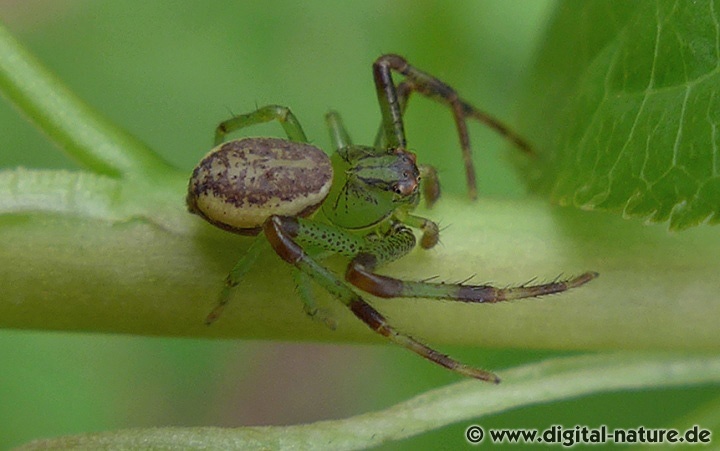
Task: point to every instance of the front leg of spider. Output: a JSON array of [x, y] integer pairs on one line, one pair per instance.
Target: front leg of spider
[[282, 233], [287, 235], [393, 101], [400, 241]]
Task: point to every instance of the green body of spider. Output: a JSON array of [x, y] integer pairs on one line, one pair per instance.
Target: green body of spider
[[358, 203]]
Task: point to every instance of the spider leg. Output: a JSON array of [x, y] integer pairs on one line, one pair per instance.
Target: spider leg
[[303, 284], [338, 134], [361, 273], [268, 113], [235, 276], [393, 101], [402, 93], [282, 232]]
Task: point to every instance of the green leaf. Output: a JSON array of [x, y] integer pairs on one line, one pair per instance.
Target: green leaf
[[624, 107], [464, 401]]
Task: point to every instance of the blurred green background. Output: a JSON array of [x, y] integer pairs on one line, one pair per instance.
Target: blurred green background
[[169, 71]]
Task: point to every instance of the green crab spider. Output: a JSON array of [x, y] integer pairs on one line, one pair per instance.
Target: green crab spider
[[358, 203]]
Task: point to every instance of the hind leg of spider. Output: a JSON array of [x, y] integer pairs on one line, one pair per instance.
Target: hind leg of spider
[[236, 274], [304, 289], [282, 232], [361, 273], [268, 113]]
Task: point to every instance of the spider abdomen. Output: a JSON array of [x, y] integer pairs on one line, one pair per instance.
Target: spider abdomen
[[240, 183]]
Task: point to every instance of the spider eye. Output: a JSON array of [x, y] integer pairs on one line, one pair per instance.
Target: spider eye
[[405, 187]]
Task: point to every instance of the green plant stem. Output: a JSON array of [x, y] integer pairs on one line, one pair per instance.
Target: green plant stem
[[86, 253], [550, 380], [85, 135]]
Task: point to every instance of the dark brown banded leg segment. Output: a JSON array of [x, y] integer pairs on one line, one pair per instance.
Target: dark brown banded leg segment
[[393, 101], [361, 273], [281, 231], [378, 323]]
